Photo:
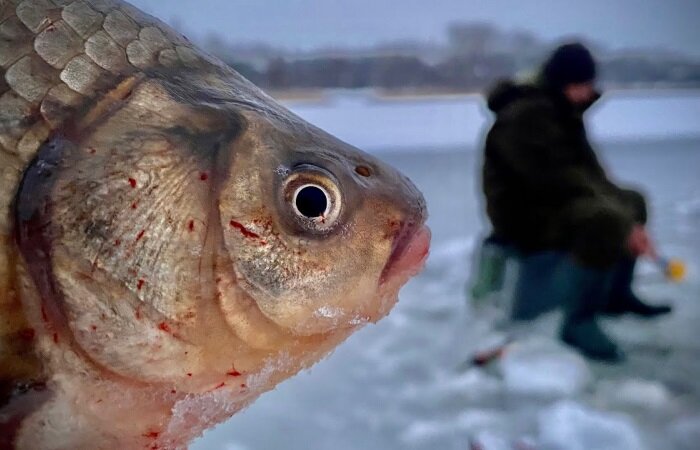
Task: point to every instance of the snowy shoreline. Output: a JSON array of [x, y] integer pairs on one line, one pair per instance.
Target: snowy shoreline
[[377, 124]]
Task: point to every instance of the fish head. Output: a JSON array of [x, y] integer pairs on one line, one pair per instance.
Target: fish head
[[321, 235]]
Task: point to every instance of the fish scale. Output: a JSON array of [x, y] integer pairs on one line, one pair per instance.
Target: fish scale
[[54, 55], [85, 45]]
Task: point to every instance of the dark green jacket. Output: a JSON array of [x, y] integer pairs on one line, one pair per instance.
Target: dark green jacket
[[539, 168]]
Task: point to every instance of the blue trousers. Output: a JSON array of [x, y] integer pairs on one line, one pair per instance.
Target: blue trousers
[[551, 279]]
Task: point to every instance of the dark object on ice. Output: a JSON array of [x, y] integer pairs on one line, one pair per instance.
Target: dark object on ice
[[485, 357], [553, 207], [570, 63], [633, 305], [544, 187], [624, 301], [550, 279], [589, 293]]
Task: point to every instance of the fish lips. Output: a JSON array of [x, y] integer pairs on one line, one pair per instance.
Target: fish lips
[[410, 250]]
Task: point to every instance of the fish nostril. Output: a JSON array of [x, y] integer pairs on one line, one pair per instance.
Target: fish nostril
[[363, 171]]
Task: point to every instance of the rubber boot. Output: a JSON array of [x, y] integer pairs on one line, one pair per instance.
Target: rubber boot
[[491, 265], [588, 291], [537, 290], [622, 299]]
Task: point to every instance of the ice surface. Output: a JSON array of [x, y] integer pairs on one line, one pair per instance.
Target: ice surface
[[490, 440], [539, 366], [364, 120], [231, 446], [567, 425], [684, 434], [474, 422], [635, 393], [637, 115]]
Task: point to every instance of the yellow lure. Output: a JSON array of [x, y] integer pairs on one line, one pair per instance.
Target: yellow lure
[[674, 269]]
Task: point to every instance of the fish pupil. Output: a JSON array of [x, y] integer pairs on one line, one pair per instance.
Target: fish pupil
[[311, 201]]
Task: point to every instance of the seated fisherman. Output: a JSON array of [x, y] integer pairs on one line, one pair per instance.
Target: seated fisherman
[[545, 190]]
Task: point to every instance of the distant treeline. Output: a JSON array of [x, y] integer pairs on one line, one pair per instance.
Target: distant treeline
[[472, 58]]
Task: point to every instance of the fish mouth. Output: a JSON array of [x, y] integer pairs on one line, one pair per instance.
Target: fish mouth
[[409, 252]]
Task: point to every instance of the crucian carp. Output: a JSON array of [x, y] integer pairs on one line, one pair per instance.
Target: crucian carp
[[173, 242]]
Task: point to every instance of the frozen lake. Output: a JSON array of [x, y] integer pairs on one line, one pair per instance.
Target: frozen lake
[[376, 123], [401, 384]]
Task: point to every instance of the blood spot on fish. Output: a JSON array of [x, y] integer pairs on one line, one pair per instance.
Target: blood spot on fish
[[233, 373], [173, 391], [244, 231], [243, 385], [44, 316], [139, 284], [138, 312], [189, 374], [152, 434], [93, 327], [92, 151], [393, 227], [134, 205], [55, 338], [27, 334], [132, 182], [190, 225], [203, 176], [140, 235], [220, 385], [117, 242], [164, 326]]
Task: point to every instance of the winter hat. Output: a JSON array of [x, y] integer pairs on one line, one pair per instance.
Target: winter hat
[[569, 63]]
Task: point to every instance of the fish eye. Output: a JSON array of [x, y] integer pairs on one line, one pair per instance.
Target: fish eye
[[311, 201], [314, 197]]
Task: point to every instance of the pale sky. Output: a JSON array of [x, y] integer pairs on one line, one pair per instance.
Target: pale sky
[[305, 24]]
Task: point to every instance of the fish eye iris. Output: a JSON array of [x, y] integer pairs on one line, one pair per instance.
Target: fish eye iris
[[311, 201]]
